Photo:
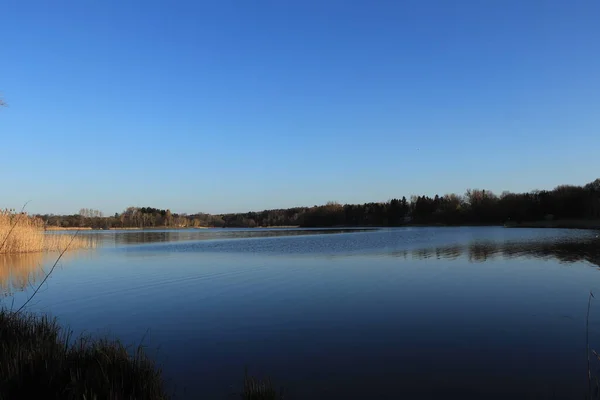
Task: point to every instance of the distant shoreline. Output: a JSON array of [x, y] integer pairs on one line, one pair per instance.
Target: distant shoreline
[[557, 224], [58, 228], [282, 226], [88, 228]]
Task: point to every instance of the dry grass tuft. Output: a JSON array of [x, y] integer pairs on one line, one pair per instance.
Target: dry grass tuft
[[22, 233], [259, 389]]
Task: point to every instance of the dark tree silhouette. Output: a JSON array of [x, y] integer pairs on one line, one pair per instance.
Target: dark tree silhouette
[[476, 206]]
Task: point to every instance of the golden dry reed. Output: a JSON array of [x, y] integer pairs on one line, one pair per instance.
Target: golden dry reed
[[22, 233]]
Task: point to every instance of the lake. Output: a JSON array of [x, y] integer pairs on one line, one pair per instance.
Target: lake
[[483, 312]]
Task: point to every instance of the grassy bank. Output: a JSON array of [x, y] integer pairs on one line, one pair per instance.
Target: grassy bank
[[37, 357], [21, 233]]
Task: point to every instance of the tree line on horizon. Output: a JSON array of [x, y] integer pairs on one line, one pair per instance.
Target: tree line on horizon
[[474, 207]]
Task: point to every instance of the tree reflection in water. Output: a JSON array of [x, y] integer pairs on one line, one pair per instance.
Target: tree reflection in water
[[19, 271], [567, 251]]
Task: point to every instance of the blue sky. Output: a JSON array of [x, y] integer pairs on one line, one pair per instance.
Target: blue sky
[[223, 106]]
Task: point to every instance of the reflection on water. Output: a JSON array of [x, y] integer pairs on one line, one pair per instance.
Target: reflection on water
[[17, 271], [444, 252], [566, 250], [386, 314], [142, 237]]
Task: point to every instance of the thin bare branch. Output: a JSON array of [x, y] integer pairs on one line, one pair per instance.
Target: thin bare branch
[[49, 272]]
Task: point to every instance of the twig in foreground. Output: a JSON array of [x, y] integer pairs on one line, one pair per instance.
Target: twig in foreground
[[49, 273]]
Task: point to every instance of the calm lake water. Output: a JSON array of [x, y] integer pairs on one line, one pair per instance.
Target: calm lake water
[[337, 314]]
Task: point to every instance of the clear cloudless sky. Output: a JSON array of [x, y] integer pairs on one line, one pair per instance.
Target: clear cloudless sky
[[226, 106]]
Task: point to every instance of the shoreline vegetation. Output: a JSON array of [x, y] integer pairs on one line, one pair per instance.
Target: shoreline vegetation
[[22, 233], [565, 206], [38, 357], [89, 228], [593, 224]]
